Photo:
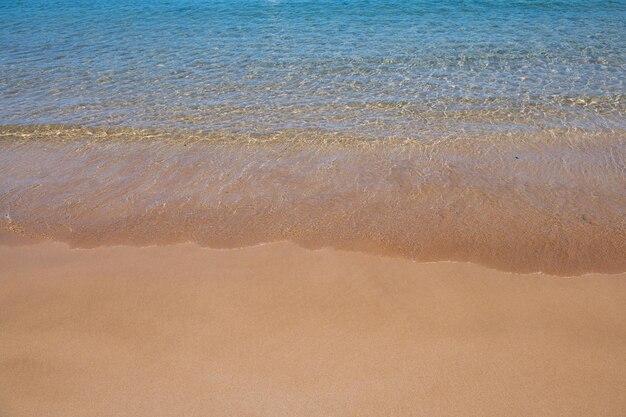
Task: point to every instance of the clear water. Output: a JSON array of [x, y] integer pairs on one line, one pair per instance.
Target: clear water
[[488, 131], [382, 68]]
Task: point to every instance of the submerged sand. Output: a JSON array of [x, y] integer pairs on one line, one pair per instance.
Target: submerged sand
[[531, 201], [278, 330]]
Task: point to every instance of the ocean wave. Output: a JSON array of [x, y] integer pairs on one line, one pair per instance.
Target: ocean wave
[[551, 200]]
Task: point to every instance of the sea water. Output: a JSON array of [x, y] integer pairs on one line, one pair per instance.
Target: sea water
[[491, 131], [371, 68]]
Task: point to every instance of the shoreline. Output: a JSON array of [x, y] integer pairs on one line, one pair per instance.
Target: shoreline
[[272, 208], [550, 201], [281, 330]]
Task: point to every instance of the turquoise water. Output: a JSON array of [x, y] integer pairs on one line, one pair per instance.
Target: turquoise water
[[487, 131], [370, 68]]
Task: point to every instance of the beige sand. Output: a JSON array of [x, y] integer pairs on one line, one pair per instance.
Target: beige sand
[[278, 330]]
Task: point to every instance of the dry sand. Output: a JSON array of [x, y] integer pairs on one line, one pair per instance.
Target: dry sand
[[277, 330]]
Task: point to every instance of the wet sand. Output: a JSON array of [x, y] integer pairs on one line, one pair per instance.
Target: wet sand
[[550, 201], [278, 330]]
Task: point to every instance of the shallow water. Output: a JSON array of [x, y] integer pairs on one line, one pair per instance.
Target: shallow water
[[371, 68], [490, 131], [552, 201]]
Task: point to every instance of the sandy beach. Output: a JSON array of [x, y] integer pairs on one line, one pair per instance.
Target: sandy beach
[[312, 208], [278, 330]]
